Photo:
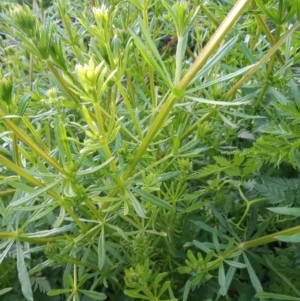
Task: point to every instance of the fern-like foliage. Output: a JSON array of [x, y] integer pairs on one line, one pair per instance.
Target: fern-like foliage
[[41, 284], [297, 259], [280, 141], [278, 190]]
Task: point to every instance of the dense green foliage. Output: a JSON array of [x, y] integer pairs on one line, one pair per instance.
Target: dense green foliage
[[150, 151]]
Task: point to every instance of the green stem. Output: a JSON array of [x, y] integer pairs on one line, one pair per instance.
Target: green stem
[[255, 243], [209, 15], [269, 74], [68, 29], [268, 34], [210, 47], [259, 98], [247, 206], [35, 134], [253, 202], [31, 71], [17, 158], [27, 140], [37, 240], [7, 192], [22, 173]]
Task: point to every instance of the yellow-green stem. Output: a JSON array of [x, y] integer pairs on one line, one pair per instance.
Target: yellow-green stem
[[22, 173], [31, 71], [27, 140], [7, 192], [268, 34], [37, 240], [255, 243], [17, 158], [209, 15], [210, 47], [34, 133]]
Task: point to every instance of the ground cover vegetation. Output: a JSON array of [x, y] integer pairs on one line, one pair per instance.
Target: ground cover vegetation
[[149, 150]]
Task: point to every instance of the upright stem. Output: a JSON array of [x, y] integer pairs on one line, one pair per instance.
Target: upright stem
[[210, 47]]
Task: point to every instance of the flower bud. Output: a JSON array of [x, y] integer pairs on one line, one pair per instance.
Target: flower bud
[[25, 20], [6, 88]]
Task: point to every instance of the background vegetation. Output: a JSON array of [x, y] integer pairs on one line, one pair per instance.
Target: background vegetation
[[149, 150]]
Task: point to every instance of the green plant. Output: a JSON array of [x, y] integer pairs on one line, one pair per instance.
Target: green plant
[[129, 170]]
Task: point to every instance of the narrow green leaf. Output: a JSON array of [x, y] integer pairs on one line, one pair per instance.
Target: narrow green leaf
[[215, 240], [67, 272], [229, 276], [7, 245], [294, 238], [136, 205], [5, 216], [276, 296], [153, 199], [236, 264], [136, 294], [219, 102], [168, 175], [253, 277], [33, 195], [208, 257], [201, 246], [47, 233], [220, 80], [148, 57], [38, 215], [203, 226], [186, 291], [222, 280], [119, 231], [60, 218], [157, 280], [268, 11], [155, 52], [94, 169], [22, 105], [215, 59], [101, 249], [56, 292], [224, 223], [93, 295], [164, 287], [20, 186], [286, 211], [248, 53], [23, 274], [277, 95], [70, 280], [5, 290]]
